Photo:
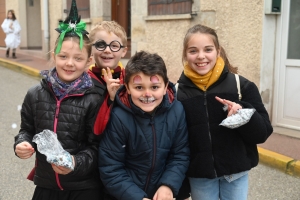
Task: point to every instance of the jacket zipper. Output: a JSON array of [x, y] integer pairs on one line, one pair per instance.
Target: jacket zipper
[[154, 154], [57, 109], [205, 104]]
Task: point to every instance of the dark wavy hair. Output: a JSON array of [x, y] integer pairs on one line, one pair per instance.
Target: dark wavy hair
[[147, 63]]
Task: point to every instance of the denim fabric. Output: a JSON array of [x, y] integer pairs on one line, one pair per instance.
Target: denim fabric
[[231, 187]]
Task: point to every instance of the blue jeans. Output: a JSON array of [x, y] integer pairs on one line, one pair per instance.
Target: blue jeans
[[232, 187]]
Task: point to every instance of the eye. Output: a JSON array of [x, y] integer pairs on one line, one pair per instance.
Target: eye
[[209, 49], [192, 51], [115, 45], [78, 58], [100, 44], [138, 87], [155, 87], [62, 56]]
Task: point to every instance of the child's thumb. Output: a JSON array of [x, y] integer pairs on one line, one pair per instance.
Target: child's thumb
[[27, 144]]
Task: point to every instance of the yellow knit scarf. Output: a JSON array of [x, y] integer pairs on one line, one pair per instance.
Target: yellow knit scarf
[[204, 81]]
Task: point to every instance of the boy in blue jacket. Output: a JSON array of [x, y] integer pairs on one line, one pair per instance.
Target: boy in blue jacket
[[144, 152]]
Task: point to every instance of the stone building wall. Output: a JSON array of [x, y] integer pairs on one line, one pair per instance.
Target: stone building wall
[[238, 24]]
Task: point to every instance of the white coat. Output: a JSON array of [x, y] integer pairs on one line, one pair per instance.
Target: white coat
[[13, 38]]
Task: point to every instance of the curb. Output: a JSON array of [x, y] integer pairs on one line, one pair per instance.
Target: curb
[[19, 67], [283, 163]]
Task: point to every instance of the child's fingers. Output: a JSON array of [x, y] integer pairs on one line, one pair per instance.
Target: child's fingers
[[24, 154], [24, 147], [105, 77], [223, 101], [228, 102], [108, 72], [219, 99], [60, 169]]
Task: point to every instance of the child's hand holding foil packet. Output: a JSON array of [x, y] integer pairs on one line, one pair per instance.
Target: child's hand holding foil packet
[[48, 144], [240, 118]]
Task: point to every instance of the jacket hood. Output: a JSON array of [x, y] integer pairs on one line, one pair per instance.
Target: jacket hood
[[123, 99]]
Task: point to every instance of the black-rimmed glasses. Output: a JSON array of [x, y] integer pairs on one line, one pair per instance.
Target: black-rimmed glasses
[[114, 46]]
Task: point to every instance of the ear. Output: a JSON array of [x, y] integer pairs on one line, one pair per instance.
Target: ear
[[53, 55], [88, 64], [124, 52], [89, 61], [165, 90], [219, 52], [127, 88]]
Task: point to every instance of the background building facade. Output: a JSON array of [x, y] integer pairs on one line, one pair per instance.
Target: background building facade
[[261, 38]]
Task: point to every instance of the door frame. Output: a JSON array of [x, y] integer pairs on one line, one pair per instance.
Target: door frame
[[2, 17], [281, 63], [120, 12]]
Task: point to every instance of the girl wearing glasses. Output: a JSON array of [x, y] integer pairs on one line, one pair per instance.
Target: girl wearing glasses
[[109, 42]]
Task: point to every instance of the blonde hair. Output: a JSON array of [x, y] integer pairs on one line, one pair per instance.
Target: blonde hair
[[86, 42], [110, 27]]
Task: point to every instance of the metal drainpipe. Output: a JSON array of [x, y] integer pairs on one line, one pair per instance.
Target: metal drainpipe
[[46, 29]]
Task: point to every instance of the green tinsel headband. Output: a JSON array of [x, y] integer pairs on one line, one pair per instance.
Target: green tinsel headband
[[72, 26], [79, 29]]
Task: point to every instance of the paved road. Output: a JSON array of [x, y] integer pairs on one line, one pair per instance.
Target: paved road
[[13, 171], [265, 183]]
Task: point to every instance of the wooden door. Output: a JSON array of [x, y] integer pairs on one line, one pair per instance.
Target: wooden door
[[121, 12], [2, 17]]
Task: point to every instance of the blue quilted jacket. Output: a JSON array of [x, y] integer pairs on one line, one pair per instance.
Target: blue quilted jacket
[[140, 152]]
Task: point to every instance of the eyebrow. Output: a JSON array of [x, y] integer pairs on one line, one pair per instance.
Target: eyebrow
[[212, 46], [159, 83]]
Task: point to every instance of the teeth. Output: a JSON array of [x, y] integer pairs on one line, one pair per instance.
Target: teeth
[[201, 64], [147, 99]]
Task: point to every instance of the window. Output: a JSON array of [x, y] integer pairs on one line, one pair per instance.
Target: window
[[169, 7], [83, 7]]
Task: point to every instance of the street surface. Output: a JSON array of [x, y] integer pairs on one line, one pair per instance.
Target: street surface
[[265, 183]]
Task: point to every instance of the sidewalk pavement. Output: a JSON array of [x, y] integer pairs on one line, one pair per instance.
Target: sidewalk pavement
[[281, 150]]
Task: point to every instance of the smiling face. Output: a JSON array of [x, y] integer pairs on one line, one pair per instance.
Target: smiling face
[[107, 58], [71, 61], [146, 91], [201, 53]]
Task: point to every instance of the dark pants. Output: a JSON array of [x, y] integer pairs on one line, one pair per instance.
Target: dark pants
[[48, 194]]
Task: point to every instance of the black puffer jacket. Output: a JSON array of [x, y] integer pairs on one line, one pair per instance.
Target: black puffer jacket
[[217, 150], [72, 118], [140, 152]]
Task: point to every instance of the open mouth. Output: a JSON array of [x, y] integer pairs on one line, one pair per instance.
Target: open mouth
[[106, 58], [69, 71], [201, 64], [147, 100]]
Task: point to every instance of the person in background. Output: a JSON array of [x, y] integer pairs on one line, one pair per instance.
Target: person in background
[[144, 152], [66, 102], [221, 157], [12, 29]]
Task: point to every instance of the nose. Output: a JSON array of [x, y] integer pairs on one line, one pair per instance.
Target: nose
[[107, 49], [147, 93], [201, 55], [69, 62]]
